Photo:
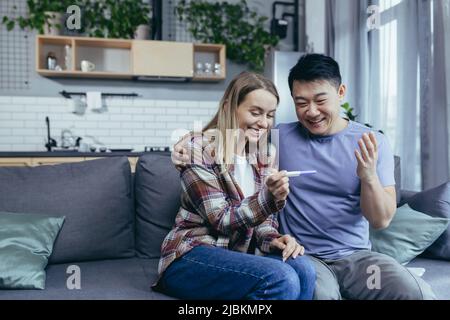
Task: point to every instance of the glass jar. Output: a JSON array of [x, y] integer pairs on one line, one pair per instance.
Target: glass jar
[[208, 68], [51, 61], [199, 68], [217, 69]]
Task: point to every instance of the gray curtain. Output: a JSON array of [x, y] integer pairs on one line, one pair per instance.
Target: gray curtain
[[407, 124], [347, 41], [435, 88], [446, 17]]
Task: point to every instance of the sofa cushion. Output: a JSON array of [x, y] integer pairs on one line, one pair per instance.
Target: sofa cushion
[[118, 279], [157, 191], [94, 196], [26, 243], [436, 203], [408, 235], [437, 275]]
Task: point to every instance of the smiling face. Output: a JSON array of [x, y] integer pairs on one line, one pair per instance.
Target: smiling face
[[317, 104], [256, 113]]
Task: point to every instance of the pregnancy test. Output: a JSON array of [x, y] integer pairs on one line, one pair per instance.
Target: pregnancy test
[[291, 174]]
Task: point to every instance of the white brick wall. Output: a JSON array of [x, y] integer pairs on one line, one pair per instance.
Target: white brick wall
[[129, 123]]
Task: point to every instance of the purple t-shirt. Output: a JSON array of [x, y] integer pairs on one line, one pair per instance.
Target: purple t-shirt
[[323, 210]]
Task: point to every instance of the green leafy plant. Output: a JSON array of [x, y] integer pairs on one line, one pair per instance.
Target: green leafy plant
[[234, 25], [38, 15], [115, 18], [100, 18], [348, 111]]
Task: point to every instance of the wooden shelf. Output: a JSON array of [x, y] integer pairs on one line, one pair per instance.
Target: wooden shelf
[[130, 59], [54, 44], [81, 74], [212, 54]]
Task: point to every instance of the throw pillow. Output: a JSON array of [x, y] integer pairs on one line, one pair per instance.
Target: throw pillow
[[26, 243], [436, 203], [158, 190], [95, 196], [408, 235]]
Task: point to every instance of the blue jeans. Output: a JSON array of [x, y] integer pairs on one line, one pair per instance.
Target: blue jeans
[[218, 274]]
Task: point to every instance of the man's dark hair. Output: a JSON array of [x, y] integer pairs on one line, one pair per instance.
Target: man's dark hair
[[313, 67]]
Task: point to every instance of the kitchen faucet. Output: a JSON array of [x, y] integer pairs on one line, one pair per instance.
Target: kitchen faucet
[[50, 142]]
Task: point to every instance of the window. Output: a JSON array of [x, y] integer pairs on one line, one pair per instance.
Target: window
[[393, 111]]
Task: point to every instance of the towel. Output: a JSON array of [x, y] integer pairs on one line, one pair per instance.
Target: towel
[[94, 100], [79, 107]]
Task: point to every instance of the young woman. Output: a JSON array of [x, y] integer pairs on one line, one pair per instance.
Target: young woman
[[228, 209]]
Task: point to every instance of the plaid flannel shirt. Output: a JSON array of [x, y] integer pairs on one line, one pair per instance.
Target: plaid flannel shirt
[[214, 211]]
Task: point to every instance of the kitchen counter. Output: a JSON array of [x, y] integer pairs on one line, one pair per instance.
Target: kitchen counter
[[39, 158], [45, 154]]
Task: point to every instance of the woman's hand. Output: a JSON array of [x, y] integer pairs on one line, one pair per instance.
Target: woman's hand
[[288, 245], [180, 156], [278, 185]]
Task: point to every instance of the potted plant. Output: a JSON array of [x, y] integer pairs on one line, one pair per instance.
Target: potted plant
[[105, 18], [235, 25], [45, 16], [116, 18], [348, 112]]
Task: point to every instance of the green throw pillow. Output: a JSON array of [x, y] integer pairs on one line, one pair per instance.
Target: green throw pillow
[[409, 234], [26, 243]]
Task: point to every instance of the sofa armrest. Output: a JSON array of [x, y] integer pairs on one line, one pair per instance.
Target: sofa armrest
[[405, 195]]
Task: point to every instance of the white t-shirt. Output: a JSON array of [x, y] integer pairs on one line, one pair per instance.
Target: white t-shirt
[[243, 173]]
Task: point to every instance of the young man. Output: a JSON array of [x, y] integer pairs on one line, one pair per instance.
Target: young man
[[330, 212]]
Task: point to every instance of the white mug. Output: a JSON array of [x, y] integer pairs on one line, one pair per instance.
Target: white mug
[[87, 66]]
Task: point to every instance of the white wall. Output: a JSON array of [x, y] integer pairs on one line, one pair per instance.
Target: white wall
[[129, 123], [315, 24]]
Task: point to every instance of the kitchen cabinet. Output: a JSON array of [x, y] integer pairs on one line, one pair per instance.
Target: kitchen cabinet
[[130, 59], [163, 59]]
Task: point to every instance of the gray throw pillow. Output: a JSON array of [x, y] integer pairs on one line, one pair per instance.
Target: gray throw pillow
[[95, 197], [26, 243], [436, 203], [158, 192], [408, 235]]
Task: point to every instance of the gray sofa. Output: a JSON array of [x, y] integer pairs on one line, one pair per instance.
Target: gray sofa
[[115, 223]]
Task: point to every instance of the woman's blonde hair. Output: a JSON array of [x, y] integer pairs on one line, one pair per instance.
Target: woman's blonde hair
[[225, 118]]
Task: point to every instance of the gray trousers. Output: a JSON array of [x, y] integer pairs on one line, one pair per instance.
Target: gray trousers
[[366, 275]]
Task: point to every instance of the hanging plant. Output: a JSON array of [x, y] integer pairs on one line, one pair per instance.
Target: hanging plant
[[234, 25], [40, 13], [100, 18], [115, 18]]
